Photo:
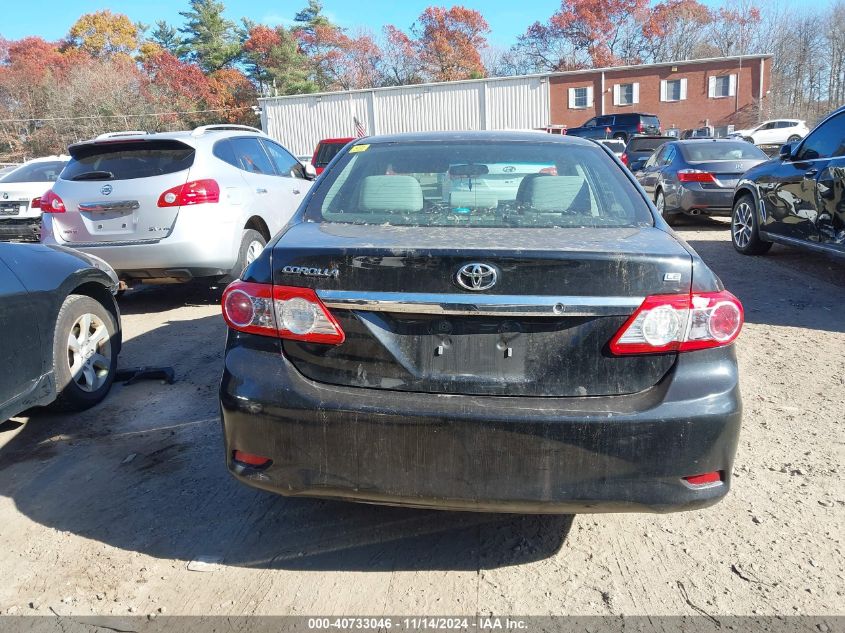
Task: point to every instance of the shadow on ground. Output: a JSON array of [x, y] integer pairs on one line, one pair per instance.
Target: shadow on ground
[[144, 471]]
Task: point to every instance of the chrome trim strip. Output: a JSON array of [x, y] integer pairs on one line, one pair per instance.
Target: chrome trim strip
[[117, 205], [486, 305], [806, 244]]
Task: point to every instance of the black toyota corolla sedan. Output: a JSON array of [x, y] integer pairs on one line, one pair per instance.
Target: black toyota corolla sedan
[[482, 321]]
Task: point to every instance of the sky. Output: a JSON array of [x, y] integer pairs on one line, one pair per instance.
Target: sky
[[51, 19]]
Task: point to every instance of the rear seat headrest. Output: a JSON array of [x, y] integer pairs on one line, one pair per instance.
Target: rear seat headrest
[[391, 193]]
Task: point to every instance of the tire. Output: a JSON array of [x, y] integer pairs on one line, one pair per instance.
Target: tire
[[660, 203], [745, 234], [84, 358], [252, 243], [748, 139], [793, 139]]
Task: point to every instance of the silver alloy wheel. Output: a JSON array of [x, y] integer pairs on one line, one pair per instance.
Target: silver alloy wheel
[[660, 203], [89, 352], [742, 224], [253, 251]]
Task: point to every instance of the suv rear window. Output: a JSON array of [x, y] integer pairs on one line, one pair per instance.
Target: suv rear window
[[486, 184], [327, 151], [651, 121], [127, 160]]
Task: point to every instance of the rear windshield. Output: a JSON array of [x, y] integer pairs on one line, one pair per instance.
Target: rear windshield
[[651, 121], [127, 160], [327, 151], [490, 184], [42, 171], [646, 144], [739, 150]]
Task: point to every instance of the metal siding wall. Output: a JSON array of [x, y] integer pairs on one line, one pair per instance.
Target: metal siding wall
[[517, 104], [300, 122], [428, 108]]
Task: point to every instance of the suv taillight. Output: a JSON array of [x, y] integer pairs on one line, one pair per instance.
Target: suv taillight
[[194, 192], [640, 127], [624, 159], [680, 323], [36, 203], [51, 203], [280, 311]]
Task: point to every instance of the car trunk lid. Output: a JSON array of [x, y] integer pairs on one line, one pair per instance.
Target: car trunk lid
[[726, 172], [111, 190], [541, 330]]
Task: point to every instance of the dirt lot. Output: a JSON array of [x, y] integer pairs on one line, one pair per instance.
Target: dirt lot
[[104, 512]]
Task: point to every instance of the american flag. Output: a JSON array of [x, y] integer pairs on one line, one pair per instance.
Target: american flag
[[360, 130]]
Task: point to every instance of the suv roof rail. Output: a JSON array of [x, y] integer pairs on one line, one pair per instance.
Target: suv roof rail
[[119, 134], [222, 127]]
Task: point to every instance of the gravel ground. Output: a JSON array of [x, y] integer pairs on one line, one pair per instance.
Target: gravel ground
[[128, 508]]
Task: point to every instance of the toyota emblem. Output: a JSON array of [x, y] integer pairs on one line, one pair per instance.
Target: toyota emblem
[[477, 276], [106, 190]]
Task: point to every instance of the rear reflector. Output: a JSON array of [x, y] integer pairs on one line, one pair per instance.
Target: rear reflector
[[706, 478], [281, 311], [695, 175], [51, 203], [250, 459], [194, 192], [680, 323]]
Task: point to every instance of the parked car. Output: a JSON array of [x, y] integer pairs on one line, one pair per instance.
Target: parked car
[[798, 198], [697, 176], [614, 145], [20, 197], [776, 132], [5, 168], [559, 351], [326, 150], [618, 126], [640, 148], [175, 206], [61, 328]]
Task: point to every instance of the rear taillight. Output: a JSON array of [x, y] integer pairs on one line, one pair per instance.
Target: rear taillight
[[680, 323], [624, 159], [695, 175], [35, 204], [194, 192], [51, 203], [640, 127], [549, 171], [280, 311]]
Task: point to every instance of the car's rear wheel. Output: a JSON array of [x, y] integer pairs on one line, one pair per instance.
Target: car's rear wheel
[[745, 233], [252, 243], [84, 359], [660, 203], [793, 139]]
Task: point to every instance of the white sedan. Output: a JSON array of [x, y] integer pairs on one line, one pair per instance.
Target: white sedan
[[775, 132], [20, 197]]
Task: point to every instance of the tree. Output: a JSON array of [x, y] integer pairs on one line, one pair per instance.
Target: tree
[[400, 60], [233, 93], [449, 42], [103, 34], [319, 40], [676, 29], [167, 38], [211, 39], [275, 62]]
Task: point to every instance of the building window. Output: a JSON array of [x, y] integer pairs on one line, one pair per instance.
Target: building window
[[626, 94], [673, 89], [722, 86], [580, 98]]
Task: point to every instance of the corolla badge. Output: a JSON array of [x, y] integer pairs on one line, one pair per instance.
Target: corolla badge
[[477, 276], [106, 190]]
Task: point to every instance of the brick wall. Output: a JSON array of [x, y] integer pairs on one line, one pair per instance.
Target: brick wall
[[695, 111]]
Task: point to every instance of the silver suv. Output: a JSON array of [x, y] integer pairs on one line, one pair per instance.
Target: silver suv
[[175, 206]]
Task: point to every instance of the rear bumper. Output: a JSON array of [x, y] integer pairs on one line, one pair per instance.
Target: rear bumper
[[196, 247], [20, 228], [708, 201], [503, 454]]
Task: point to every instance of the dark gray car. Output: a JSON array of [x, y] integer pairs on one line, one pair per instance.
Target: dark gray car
[[697, 176], [61, 328]]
